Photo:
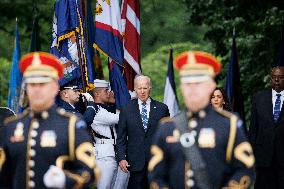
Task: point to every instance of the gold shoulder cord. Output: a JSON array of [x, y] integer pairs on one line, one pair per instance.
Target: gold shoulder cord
[[71, 140], [233, 130], [158, 156], [243, 184], [2, 158], [232, 137]]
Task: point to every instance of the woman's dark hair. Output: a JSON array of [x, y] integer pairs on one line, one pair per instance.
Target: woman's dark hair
[[227, 105]]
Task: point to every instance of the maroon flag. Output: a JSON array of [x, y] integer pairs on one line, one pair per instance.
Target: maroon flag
[[130, 16]]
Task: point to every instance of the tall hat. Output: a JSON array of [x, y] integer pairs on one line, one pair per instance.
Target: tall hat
[[40, 67], [196, 66]]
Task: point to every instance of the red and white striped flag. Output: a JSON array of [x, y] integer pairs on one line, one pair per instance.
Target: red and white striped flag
[[130, 16]]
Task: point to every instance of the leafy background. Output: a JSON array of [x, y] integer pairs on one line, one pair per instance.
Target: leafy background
[[182, 25]]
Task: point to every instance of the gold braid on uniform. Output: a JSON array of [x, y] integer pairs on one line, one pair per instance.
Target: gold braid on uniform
[[243, 152], [233, 131], [158, 156], [71, 131], [71, 138], [154, 185], [80, 179], [243, 184], [83, 152], [166, 119], [2, 158]]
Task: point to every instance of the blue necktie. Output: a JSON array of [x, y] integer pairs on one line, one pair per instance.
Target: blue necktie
[[277, 107], [144, 116]]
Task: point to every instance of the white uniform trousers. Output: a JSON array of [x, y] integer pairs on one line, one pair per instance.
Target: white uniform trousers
[[121, 180], [108, 170]]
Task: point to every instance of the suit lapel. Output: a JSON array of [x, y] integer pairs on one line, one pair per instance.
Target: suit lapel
[[269, 104], [151, 113]]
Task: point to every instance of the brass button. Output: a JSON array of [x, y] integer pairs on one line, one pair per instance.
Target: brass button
[[192, 123], [44, 114], [31, 184], [202, 114], [33, 133], [190, 183], [31, 173], [31, 163], [32, 142], [35, 125], [32, 153]]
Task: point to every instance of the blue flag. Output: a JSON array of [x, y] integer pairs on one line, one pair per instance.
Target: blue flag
[[72, 39], [233, 83], [170, 94], [118, 85], [15, 76], [108, 40]]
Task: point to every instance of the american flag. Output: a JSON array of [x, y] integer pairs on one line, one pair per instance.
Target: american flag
[[130, 16]]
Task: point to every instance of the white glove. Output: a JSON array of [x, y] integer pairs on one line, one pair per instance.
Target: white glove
[[133, 94], [54, 178], [88, 97]]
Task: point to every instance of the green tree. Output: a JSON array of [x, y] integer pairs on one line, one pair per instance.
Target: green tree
[[4, 78], [258, 26]]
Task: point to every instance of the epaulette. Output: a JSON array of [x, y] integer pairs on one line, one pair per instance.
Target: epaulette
[[17, 117], [232, 134], [166, 119]]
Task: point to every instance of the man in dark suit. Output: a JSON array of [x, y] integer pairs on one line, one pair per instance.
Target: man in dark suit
[[137, 124], [266, 120]]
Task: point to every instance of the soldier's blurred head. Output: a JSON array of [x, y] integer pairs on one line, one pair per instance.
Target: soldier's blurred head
[[41, 72], [101, 91], [277, 78], [197, 71], [142, 87], [70, 92]]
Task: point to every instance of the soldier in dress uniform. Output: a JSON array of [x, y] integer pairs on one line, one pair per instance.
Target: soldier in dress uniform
[[45, 147], [69, 95], [200, 148]]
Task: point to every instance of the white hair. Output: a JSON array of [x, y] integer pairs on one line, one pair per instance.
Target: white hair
[[142, 77]]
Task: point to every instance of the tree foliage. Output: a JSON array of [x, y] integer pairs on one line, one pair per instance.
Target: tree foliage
[[155, 65], [258, 26], [163, 22]]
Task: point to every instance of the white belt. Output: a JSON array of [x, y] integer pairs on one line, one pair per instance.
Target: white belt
[[104, 141]]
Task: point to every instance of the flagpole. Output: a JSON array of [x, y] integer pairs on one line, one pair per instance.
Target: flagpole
[[79, 50], [82, 67]]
